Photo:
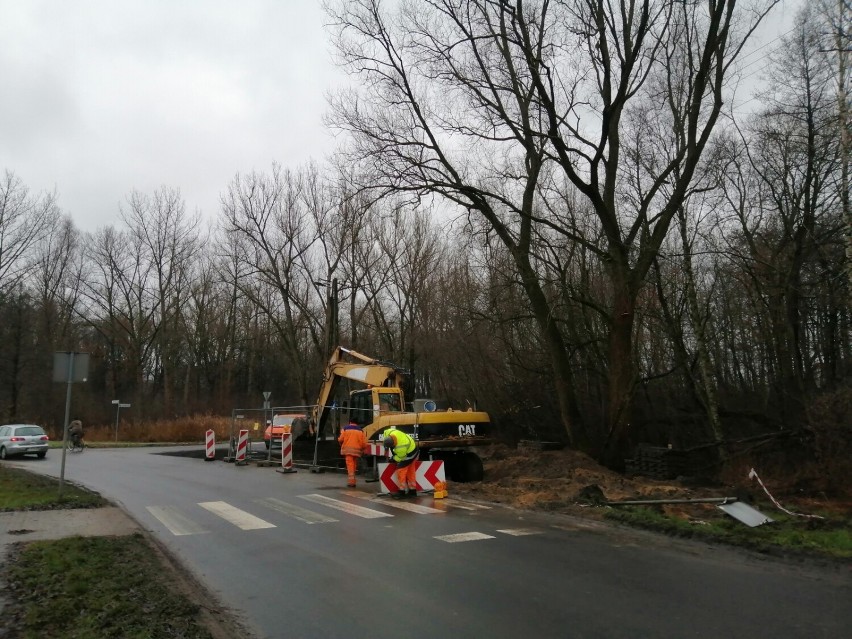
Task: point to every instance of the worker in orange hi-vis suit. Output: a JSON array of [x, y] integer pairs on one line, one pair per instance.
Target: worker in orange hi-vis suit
[[353, 444], [405, 451]]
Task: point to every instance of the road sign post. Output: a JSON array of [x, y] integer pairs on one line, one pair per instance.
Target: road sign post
[[68, 367], [118, 407]]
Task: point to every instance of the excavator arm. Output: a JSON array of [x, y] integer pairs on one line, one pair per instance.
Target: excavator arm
[[364, 369]]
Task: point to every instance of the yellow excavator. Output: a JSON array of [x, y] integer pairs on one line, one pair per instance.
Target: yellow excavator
[[448, 434]]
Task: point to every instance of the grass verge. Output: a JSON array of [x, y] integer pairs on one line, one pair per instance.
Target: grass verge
[[91, 587], [829, 538], [71, 588], [20, 490]]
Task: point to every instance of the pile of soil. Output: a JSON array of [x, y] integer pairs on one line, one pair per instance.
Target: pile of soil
[[564, 481], [570, 482]]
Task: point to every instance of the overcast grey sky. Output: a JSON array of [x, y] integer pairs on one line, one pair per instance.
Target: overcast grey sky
[[101, 97]]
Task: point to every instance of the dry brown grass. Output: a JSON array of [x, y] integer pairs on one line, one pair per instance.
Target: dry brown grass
[[184, 429]]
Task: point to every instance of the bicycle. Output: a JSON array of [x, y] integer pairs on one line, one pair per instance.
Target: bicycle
[[76, 445]]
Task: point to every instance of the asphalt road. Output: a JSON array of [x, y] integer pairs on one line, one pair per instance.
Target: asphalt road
[[300, 555]]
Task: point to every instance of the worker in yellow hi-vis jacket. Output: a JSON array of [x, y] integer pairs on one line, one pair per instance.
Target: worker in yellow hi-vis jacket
[[405, 451]]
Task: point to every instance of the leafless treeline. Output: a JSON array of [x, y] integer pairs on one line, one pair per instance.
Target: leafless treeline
[[547, 208]]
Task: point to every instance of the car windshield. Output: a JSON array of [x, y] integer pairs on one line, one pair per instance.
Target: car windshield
[[29, 430], [283, 420]]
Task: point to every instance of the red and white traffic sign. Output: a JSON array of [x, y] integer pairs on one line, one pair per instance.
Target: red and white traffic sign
[[428, 473]]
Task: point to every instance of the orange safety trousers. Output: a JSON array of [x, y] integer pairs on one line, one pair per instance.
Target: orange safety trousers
[[351, 467], [407, 477]]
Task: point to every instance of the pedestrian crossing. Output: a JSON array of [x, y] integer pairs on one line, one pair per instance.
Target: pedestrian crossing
[[302, 514], [177, 523], [240, 518], [182, 522], [400, 505], [345, 506]]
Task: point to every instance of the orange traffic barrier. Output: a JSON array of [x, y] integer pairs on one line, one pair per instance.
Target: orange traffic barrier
[[440, 490]]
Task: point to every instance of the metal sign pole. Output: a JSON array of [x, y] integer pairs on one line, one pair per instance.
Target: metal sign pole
[[117, 403], [66, 369], [120, 406], [65, 422]]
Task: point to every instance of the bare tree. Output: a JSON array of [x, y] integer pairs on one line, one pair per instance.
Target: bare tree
[[410, 253], [449, 111], [472, 100], [788, 206], [169, 240], [354, 228], [837, 16], [24, 220], [56, 279], [230, 273], [266, 223], [121, 306]]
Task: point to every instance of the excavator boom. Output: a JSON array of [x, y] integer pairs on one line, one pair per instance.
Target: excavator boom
[[367, 370]]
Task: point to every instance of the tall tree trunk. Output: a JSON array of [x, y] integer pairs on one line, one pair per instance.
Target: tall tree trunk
[[622, 369], [560, 362]]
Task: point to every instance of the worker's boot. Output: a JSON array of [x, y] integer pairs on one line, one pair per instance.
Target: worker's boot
[[399, 494], [411, 492]]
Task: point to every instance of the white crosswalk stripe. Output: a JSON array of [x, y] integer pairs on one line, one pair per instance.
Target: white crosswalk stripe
[[520, 532], [175, 521], [455, 503], [240, 518], [297, 512], [471, 536], [402, 505], [352, 509]]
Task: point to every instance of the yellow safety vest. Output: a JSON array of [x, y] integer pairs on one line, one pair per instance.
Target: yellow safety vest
[[405, 447]]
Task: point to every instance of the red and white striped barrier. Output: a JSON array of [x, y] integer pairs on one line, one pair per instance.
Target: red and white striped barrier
[[210, 445], [377, 449], [287, 453], [242, 444], [428, 474]]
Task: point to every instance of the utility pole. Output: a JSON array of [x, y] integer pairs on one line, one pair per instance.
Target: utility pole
[[332, 324], [335, 323]]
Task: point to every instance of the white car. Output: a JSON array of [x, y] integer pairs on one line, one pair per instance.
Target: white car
[[23, 439]]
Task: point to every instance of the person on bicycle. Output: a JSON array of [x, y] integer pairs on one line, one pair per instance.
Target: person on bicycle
[[75, 430]]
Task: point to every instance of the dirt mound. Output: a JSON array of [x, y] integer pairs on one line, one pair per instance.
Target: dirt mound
[[561, 480]]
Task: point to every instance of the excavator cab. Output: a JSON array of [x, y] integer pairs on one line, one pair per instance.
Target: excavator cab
[[366, 406], [361, 407], [389, 401]]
